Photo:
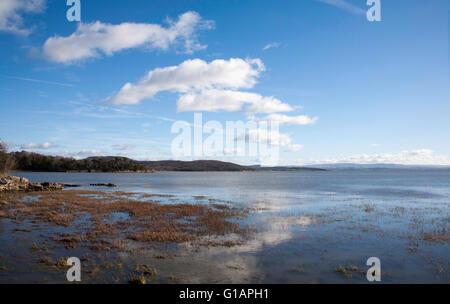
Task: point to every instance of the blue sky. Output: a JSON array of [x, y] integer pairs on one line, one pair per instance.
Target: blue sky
[[346, 89]]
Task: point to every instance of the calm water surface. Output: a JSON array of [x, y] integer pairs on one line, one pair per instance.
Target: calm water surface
[[308, 223]]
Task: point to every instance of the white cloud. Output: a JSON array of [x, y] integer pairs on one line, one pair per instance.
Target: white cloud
[[205, 86], [8, 145], [294, 148], [43, 146], [414, 157], [11, 12], [290, 120], [80, 154], [87, 153], [227, 100], [191, 75], [345, 5], [271, 45], [123, 147], [92, 39], [375, 145], [272, 137]]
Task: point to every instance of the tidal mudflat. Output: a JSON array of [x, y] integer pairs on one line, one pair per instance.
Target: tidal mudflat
[[243, 227]]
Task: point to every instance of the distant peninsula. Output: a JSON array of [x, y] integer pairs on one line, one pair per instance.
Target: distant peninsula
[[287, 168], [34, 162], [194, 166]]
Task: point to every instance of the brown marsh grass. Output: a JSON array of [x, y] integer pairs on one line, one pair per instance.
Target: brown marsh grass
[[104, 221]]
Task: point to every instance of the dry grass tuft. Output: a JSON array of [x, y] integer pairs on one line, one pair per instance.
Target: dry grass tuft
[[138, 281], [438, 236]]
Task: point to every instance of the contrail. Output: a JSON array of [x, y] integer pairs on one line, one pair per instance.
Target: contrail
[[40, 81], [342, 4]]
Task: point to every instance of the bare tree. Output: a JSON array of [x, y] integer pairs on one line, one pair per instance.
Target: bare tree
[[6, 160]]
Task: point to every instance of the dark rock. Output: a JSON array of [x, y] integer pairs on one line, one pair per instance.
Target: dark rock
[[71, 186], [104, 185]]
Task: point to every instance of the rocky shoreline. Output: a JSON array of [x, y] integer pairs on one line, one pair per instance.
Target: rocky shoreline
[[14, 183]]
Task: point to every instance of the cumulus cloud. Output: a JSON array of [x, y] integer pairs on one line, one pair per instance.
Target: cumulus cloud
[[91, 40], [191, 75], [290, 120], [414, 157], [271, 45], [205, 86], [43, 146], [345, 5], [227, 100], [11, 12]]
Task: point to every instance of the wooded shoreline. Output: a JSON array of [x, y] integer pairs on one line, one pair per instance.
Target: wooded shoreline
[[33, 162]]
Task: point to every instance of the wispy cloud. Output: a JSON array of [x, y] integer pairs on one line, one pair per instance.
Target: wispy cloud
[[414, 157], [123, 147], [81, 154], [34, 146], [271, 45], [11, 12], [39, 81], [273, 138], [293, 148], [345, 5]]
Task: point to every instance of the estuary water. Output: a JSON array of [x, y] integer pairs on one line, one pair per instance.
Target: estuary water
[[311, 227]]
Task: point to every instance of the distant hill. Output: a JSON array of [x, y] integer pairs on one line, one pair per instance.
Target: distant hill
[[350, 166], [286, 168], [199, 165]]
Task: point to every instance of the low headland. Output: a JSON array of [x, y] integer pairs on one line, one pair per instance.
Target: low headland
[[33, 162]]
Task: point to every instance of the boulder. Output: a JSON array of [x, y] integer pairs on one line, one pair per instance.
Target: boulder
[[36, 187], [14, 183]]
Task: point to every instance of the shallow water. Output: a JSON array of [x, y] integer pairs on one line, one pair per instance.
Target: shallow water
[[307, 224]]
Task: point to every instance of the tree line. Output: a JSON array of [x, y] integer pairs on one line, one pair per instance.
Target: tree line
[[28, 161]]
